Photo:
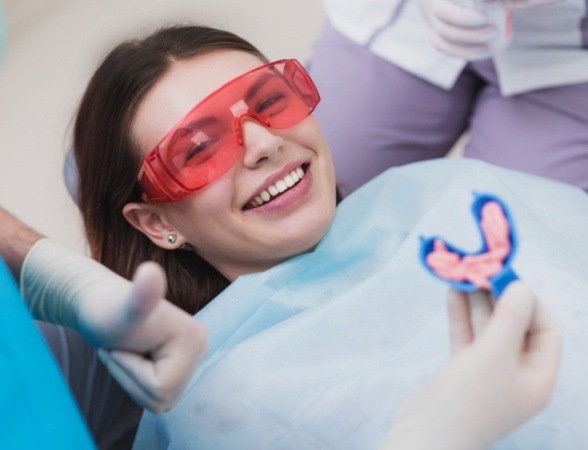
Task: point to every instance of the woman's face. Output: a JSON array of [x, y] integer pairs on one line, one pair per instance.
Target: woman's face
[[220, 221]]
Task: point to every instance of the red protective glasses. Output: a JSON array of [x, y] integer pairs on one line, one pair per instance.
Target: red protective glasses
[[208, 140]]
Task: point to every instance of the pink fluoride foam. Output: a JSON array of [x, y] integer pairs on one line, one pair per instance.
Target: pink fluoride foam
[[477, 268]]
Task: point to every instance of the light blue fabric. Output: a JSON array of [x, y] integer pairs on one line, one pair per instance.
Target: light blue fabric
[[37, 409], [318, 352]]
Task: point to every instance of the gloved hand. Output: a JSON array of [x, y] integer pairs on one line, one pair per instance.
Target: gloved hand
[[461, 30], [502, 371], [150, 346]]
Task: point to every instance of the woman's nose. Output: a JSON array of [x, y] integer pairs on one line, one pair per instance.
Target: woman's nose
[[259, 143]]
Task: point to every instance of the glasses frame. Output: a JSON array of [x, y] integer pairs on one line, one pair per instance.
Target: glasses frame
[[158, 182]]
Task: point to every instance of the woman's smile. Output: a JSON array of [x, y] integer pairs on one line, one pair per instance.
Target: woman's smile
[[279, 194]]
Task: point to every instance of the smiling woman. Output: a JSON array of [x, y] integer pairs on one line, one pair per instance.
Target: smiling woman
[[266, 133], [244, 177]]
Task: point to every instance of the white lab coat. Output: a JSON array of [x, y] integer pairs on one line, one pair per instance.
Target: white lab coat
[[545, 51]]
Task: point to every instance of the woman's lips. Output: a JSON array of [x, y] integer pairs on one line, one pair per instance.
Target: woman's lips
[[274, 190]]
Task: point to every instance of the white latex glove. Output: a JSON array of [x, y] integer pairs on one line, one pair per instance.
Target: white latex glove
[[150, 346], [460, 30], [501, 373]]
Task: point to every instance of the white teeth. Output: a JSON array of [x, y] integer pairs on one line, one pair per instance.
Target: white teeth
[[281, 186]]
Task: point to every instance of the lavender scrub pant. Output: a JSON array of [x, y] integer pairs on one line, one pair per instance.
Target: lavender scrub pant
[[375, 116]]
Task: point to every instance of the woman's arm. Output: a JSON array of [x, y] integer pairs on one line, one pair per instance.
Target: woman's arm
[[501, 373]]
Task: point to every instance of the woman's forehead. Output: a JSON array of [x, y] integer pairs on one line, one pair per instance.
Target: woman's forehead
[[183, 86], [193, 79]]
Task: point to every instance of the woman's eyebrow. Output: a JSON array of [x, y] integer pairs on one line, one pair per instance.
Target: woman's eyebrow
[[202, 122], [191, 127], [259, 83]]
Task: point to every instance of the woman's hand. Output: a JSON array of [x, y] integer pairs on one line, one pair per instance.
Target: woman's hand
[[502, 371]]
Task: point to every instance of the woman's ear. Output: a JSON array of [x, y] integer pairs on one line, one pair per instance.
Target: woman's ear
[[150, 222]]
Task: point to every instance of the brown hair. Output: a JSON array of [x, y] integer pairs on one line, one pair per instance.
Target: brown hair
[[108, 160]]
